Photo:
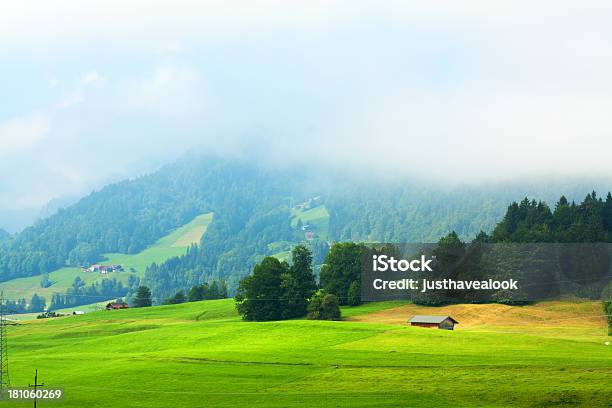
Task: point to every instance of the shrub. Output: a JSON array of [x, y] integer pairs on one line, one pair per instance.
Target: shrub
[[608, 312], [324, 306]]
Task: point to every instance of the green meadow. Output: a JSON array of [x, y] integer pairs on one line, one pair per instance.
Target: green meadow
[[316, 217], [173, 244], [202, 354]]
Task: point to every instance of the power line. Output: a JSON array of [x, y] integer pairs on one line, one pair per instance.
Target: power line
[[35, 386], [5, 382]]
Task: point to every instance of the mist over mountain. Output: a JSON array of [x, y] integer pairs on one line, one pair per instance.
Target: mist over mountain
[[4, 234], [256, 208], [16, 219], [56, 204], [400, 89]]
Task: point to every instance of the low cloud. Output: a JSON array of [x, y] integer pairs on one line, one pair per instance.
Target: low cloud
[[443, 91], [97, 131], [90, 77], [167, 90], [21, 133]]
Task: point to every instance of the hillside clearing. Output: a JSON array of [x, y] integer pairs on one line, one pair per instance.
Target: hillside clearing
[[173, 244], [193, 232], [317, 218]]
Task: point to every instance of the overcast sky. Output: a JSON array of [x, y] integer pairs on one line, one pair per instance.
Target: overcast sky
[[473, 90]]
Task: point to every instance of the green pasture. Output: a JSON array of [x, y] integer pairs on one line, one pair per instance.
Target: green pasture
[[202, 354], [173, 244], [317, 217]]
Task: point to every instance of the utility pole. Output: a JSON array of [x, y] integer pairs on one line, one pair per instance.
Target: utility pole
[[35, 386], [5, 382]]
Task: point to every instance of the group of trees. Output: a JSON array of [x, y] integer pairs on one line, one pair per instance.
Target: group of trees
[[277, 290], [531, 221], [577, 264], [45, 282], [81, 294], [544, 270], [36, 304], [324, 306], [205, 291], [142, 297], [341, 272]]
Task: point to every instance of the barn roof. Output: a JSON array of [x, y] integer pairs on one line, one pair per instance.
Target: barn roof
[[430, 319]]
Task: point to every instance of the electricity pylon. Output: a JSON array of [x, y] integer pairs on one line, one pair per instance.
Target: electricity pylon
[[5, 382]]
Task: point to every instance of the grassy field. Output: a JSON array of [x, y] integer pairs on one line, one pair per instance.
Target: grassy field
[[281, 250], [317, 218], [202, 354], [562, 319], [173, 244]]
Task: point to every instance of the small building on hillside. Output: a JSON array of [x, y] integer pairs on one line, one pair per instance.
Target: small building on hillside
[[440, 322], [105, 268], [116, 305]]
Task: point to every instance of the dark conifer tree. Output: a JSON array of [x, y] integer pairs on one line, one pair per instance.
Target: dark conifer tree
[[143, 297]]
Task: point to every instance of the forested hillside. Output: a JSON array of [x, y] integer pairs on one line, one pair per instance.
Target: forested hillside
[[253, 209], [551, 253], [531, 221], [127, 216]]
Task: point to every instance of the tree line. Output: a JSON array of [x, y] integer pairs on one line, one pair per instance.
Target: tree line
[[531, 221], [37, 304], [277, 290], [81, 294], [128, 216], [204, 291], [251, 207]]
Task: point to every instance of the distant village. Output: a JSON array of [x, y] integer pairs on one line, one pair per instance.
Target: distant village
[[309, 234], [103, 269]]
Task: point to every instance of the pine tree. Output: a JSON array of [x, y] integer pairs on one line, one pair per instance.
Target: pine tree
[[259, 295], [298, 283], [343, 265], [143, 297]]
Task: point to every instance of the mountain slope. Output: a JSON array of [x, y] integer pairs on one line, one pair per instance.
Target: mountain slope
[[174, 244], [255, 209], [127, 216]]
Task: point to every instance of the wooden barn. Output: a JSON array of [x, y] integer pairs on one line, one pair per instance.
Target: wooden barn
[[440, 322], [116, 305]]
